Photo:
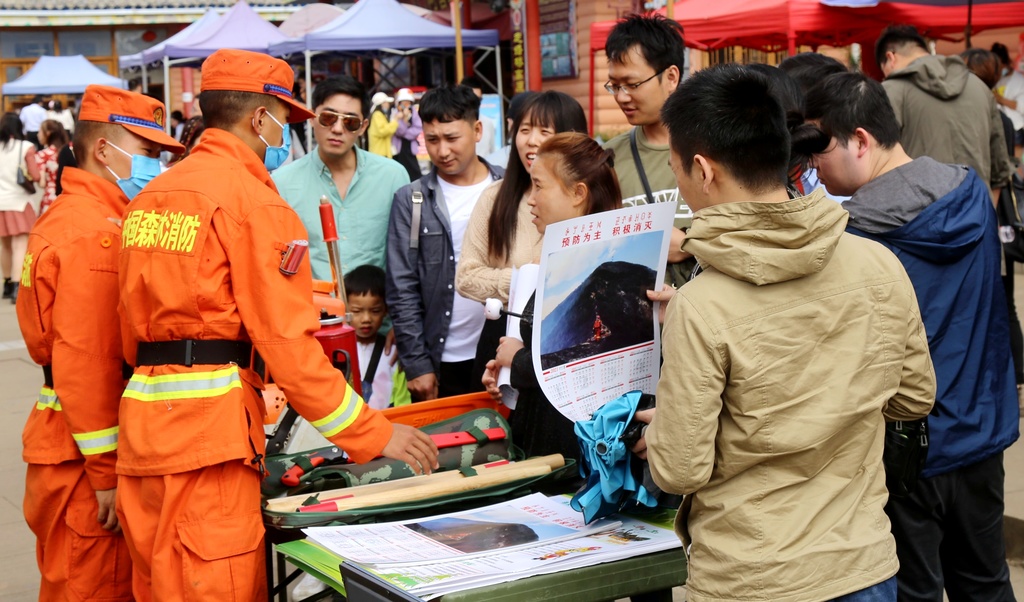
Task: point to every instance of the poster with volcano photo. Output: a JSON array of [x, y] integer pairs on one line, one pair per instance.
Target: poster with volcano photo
[[596, 334]]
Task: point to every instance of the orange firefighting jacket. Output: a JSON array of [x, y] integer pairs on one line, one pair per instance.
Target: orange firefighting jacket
[[67, 311], [200, 256]]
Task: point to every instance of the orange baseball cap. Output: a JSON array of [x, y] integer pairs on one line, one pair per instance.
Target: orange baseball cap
[[244, 71], [137, 113]]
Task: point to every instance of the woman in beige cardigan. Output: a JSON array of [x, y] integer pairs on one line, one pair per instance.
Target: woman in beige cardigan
[[500, 234]]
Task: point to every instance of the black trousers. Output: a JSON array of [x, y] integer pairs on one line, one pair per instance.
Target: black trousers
[[949, 535], [456, 378]]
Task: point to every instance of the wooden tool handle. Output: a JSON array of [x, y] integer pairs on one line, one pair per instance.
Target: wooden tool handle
[[292, 503], [441, 488]]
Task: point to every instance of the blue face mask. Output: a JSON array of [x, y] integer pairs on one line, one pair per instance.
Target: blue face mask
[[144, 169], [277, 155]]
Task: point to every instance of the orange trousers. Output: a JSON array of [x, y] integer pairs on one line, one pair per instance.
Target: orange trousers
[[78, 559], [195, 536]]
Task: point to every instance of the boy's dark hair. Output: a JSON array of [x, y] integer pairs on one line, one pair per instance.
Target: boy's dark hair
[[365, 280], [895, 38], [847, 101], [224, 108], [809, 68], [1001, 51], [176, 114], [87, 132], [660, 41], [473, 82], [342, 84], [742, 125], [449, 103]]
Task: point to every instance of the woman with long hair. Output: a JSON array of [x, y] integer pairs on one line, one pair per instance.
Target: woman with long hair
[[16, 212], [500, 235], [571, 176], [53, 137]]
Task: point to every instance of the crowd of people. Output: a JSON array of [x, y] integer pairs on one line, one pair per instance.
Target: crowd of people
[[835, 265]]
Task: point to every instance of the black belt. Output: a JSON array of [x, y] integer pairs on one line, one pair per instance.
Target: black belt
[[190, 351], [126, 373]]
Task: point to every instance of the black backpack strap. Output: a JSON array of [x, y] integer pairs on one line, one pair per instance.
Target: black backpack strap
[[417, 215], [640, 166], [371, 368]]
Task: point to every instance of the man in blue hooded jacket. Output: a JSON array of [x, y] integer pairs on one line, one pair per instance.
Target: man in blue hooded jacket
[[939, 221]]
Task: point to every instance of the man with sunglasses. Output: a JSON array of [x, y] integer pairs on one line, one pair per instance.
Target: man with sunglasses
[[359, 184], [646, 61]]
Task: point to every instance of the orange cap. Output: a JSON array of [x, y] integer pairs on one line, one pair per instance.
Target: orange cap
[[244, 71], [138, 113]]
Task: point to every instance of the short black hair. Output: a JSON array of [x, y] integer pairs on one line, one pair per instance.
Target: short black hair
[[805, 140], [176, 114], [846, 101], [808, 68], [224, 108], [87, 132], [449, 103], [660, 41], [896, 37], [473, 82], [365, 280], [1001, 51], [342, 84], [741, 125]]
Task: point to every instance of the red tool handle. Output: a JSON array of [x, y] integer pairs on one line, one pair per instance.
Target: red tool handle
[[330, 227], [291, 477]]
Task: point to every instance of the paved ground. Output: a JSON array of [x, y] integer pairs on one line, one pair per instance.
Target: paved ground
[[20, 381]]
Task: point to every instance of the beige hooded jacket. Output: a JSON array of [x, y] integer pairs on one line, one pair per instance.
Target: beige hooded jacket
[[781, 360]]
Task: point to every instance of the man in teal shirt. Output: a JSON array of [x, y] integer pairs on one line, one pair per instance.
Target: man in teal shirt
[[360, 185]]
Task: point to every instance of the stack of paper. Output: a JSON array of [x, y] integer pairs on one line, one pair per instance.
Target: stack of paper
[[534, 535]]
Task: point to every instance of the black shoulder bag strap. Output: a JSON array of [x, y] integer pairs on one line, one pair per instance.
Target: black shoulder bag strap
[[640, 166], [371, 368]]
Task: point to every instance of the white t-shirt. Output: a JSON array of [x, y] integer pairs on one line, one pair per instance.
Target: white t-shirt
[[32, 116], [467, 315], [383, 378]]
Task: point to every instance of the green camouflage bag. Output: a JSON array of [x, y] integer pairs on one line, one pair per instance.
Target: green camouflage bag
[[336, 476]]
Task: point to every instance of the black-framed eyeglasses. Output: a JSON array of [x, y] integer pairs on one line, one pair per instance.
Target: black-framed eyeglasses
[[349, 121], [629, 88]]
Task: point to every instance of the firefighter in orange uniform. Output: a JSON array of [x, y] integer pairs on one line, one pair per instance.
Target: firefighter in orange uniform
[[201, 289], [67, 310]]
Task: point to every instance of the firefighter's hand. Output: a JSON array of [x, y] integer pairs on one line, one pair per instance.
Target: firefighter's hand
[[507, 349], [490, 380], [106, 516], [645, 416], [389, 344], [412, 446], [424, 387]]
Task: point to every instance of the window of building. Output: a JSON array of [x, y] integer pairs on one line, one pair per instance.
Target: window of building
[[87, 42], [26, 44]]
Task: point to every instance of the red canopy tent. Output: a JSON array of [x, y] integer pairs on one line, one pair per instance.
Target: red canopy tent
[[773, 25]]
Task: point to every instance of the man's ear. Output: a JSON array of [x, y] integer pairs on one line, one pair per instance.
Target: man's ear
[[707, 170], [478, 130], [864, 141], [672, 76]]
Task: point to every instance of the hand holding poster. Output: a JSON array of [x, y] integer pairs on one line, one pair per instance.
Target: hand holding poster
[[596, 334]]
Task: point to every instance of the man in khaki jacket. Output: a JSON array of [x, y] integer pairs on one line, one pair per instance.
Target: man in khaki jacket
[[782, 360]]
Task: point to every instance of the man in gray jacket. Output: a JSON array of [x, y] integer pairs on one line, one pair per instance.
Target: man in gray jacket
[[944, 111], [437, 329]]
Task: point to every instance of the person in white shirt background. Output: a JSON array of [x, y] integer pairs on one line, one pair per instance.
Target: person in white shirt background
[[32, 116]]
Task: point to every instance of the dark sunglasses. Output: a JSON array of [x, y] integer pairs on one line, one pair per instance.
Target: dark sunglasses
[[350, 122]]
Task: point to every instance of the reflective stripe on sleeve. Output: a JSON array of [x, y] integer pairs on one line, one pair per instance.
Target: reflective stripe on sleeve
[[342, 417], [47, 400], [190, 385], [96, 442]]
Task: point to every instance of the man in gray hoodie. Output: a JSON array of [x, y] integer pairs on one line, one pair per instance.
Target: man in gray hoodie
[[944, 111]]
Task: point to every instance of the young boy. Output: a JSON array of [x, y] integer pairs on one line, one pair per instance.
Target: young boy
[[383, 381]]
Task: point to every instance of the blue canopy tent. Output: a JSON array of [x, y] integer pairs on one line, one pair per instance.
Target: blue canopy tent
[[385, 27], [61, 75]]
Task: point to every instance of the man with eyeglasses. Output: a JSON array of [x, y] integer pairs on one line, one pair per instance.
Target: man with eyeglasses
[[360, 185], [646, 61]]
